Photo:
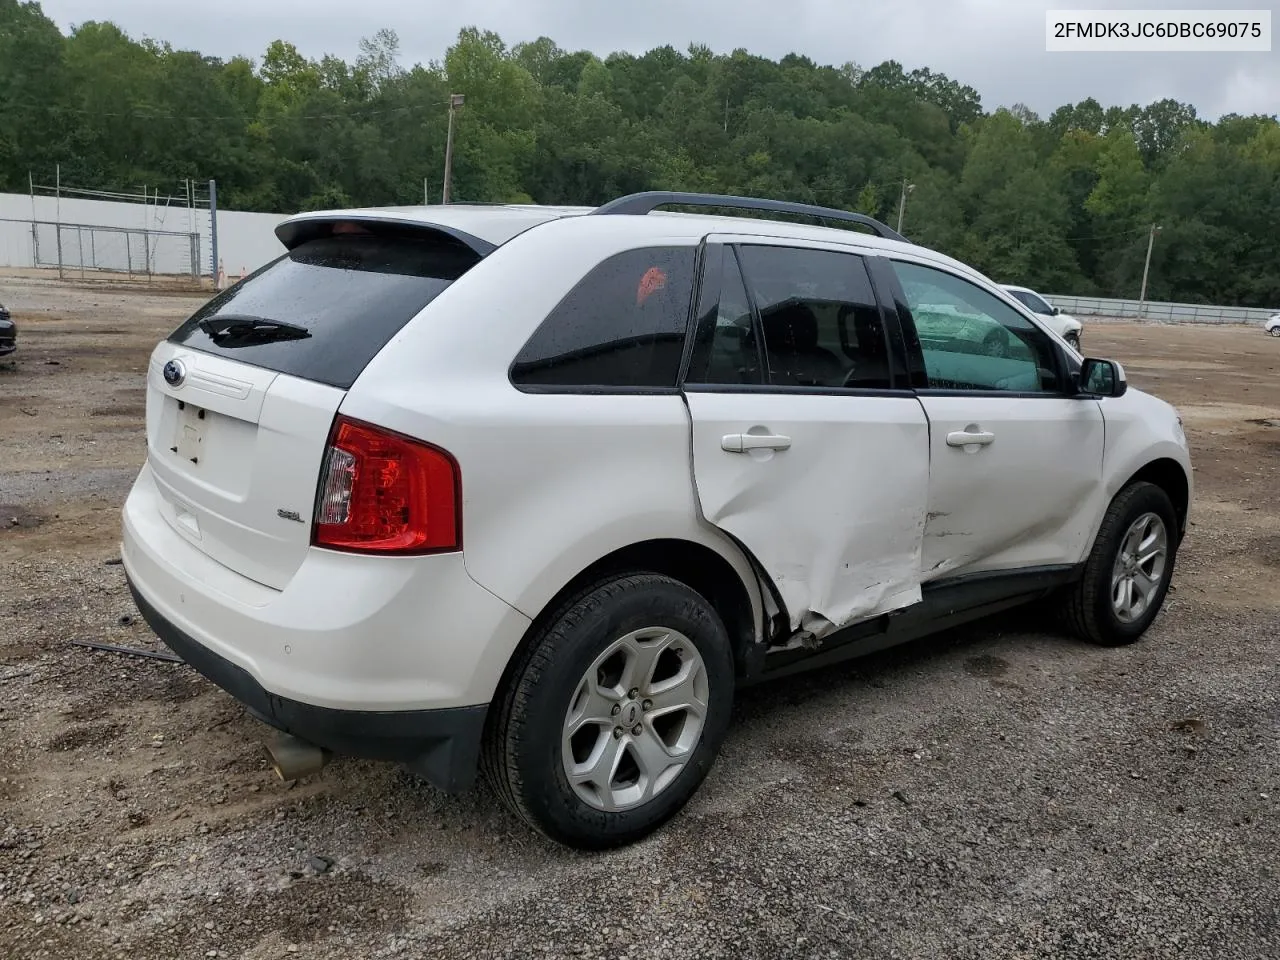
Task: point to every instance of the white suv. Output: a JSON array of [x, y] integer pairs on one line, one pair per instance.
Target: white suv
[[535, 489], [1063, 324]]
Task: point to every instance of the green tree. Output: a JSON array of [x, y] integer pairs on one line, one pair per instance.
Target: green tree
[[1064, 202]]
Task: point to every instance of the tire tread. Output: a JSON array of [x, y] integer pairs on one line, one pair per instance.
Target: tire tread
[[503, 738], [1080, 605]]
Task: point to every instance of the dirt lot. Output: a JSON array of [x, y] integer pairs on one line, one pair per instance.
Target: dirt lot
[[996, 793]]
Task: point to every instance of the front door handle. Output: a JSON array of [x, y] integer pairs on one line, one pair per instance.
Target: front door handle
[[742, 442], [963, 438]]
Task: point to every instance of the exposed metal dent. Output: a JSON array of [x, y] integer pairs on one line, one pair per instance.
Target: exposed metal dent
[[816, 625]]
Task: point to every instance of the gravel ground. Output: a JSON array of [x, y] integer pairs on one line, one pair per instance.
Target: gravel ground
[[995, 792]]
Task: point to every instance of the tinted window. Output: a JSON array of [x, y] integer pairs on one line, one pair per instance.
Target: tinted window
[[818, 315], [323, 310], [623, 325], [726, 349], [970, 339]]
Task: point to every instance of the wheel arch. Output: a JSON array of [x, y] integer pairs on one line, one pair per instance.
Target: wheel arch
[[696, 565], [1167, 474]]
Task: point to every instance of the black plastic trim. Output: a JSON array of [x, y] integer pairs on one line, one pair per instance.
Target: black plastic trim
[[887, 285], [639, 204], [596, 390], [695, 308], [694, 387], [1023, 394], [944, 604], [443, 746]]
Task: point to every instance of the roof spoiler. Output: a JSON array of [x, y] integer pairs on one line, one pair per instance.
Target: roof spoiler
[[305, 227]]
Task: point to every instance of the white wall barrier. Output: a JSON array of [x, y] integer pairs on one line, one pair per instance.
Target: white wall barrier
[[245, 240], [1160, 311]]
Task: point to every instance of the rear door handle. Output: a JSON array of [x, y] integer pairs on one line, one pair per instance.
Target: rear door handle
[[742, 442], [963, 438]]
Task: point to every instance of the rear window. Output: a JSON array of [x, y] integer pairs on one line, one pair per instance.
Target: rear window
[[325, 309]]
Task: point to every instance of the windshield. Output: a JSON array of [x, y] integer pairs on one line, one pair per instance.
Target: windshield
[[325, 309], [1033, 301]]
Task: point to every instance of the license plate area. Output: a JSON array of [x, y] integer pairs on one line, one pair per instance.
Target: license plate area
[[192, 425]]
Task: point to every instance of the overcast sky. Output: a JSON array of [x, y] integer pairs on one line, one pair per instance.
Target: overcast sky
[[996, 46]]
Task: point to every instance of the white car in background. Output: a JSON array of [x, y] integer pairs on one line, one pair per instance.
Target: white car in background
[[1063, 324], [1272, 326]]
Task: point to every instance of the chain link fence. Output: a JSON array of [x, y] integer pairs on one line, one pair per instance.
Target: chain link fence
[[94, 251]]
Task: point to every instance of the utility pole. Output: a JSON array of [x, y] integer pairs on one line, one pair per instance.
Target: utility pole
[[902, 201], [213, 234], [1146, 269], [455, 100]]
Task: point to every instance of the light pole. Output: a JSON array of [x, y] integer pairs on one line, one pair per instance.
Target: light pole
[[902, 201], [455, 100], [1146, 269]]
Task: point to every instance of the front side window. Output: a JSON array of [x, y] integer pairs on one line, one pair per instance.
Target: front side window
[[623, 325], [973, 341], [818, 317]]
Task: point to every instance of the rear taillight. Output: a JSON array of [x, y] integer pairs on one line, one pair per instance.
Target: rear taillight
[[381, 492]]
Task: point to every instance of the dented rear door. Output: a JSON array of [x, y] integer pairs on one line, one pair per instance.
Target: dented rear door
[[826, 484]]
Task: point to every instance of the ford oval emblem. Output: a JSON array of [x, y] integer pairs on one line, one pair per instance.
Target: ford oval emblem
[[174, 373]]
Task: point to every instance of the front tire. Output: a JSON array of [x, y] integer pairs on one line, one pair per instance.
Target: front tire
[[1127, 575], [614, 713], [1274, 331], [1073, 341]]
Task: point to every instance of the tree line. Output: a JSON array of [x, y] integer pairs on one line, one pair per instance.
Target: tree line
[[1062, 203]]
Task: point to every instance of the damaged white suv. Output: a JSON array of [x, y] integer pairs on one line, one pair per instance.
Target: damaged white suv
[[534, 489]]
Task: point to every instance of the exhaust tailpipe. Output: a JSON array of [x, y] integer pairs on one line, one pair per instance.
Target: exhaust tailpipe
[[292, 759]]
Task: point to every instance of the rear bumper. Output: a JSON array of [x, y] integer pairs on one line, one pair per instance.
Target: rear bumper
[[441, 745], [393, 658]]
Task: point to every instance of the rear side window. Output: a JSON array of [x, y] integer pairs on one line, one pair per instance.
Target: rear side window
[[623, 325], [325, 309], [821, 324]]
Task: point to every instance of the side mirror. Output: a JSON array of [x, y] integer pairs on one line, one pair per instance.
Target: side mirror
[[1101, 378], [1056, 311]]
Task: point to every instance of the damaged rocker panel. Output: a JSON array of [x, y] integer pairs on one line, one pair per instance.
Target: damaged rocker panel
[[944, 604]]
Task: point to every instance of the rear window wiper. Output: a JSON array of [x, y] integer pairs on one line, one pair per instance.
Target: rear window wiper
[[243, 330]]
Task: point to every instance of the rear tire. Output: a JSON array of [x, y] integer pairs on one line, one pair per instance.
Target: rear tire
[[1073, 341], [614, 713], [1127, 575], [1274, 331]]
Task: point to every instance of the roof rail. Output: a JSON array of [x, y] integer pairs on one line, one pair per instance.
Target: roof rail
[[643, 203]]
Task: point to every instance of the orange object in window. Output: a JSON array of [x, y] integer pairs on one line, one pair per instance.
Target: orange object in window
[[654, 279]]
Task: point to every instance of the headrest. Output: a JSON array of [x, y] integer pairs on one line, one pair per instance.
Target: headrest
[[792, 326], [867, 327]]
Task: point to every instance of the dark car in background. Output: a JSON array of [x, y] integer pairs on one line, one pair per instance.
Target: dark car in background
[[8, 332]]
